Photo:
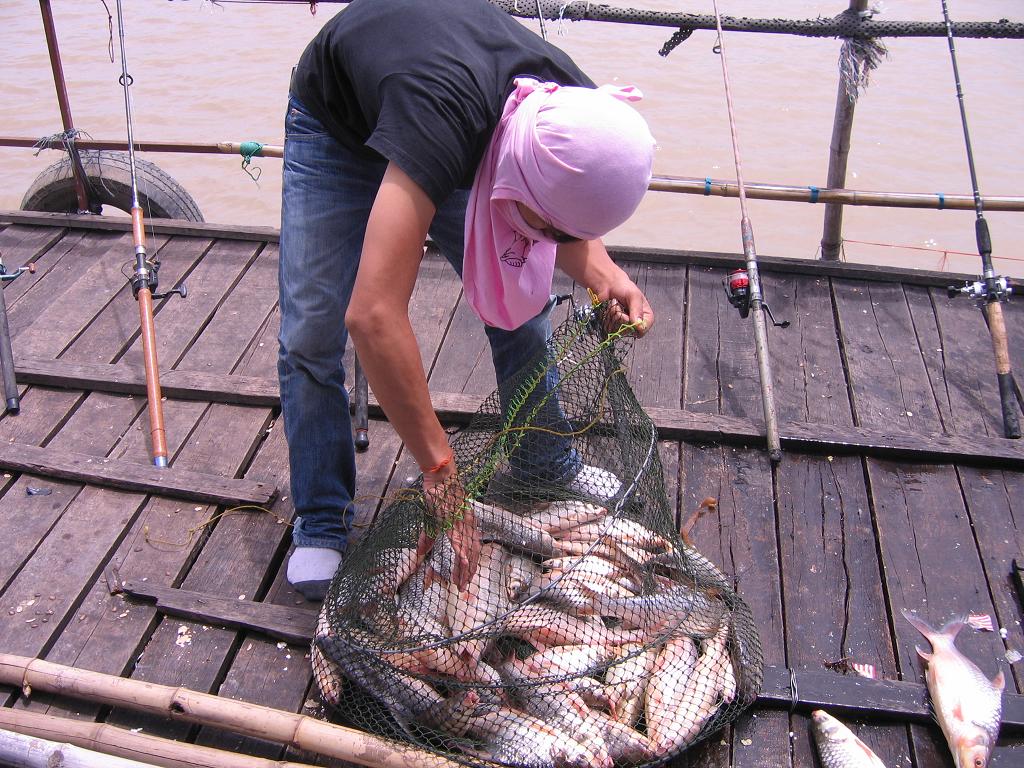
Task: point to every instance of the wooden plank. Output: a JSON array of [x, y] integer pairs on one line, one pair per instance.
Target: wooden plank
[[872, 272], [169, 481], [177, 259], [789, 265], [741, 539], [59, 306], [964, 375], [924, 532], [464, 364], [210, 651], [889, 382], [655, 362], [258, 672], [159, 226], [860, 696], [849, 694], [832, 590], [931, 564], [256, 391], [281, 622], [22, 245], [808, 375], [672, 424], [164, 540], [995, 503], [957, 350], [108, 521], [25, 520], [700, 353]]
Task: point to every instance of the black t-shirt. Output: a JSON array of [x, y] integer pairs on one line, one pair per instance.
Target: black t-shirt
[[422, 82]]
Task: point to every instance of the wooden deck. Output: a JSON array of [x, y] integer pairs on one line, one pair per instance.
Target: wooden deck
[[895, 489]]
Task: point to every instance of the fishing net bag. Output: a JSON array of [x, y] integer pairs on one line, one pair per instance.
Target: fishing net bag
[[587, 634]]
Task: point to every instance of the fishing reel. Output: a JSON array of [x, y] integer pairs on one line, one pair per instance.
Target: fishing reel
[[5, 275], [980, 292], [737, 290], [150, 278]]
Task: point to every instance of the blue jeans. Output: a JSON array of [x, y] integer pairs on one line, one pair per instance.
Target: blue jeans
[[327, 194]]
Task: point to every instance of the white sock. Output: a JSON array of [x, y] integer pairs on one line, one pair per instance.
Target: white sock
[[310, 570]]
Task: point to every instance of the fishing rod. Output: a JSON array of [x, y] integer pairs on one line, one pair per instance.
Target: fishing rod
[[744, 286], [12, 399], [144, 279], [991, 290]]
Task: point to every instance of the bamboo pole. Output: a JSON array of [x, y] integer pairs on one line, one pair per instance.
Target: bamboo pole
[[206, 709], [22, 751], [839, 152], [123, 743], [688, 185], [785, 193], [64, 104]]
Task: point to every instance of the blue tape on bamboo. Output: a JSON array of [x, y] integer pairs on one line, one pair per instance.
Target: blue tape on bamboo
[[814, 193], [248, 150], [942, 200], [707, 186]]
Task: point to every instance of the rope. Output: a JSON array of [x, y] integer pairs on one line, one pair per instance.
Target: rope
[[248, 150], [66, 139], [845, 24], [945, 252]]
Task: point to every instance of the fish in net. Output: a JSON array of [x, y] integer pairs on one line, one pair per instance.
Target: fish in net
[[589, 632]]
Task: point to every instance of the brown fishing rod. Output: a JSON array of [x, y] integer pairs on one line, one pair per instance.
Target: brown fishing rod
[[992, 289], [744, 286], [144, 279]]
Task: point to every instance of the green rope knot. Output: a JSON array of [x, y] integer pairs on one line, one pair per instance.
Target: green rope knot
[[248, 150]]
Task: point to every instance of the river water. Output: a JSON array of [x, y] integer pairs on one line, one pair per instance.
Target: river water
[[209, 72]]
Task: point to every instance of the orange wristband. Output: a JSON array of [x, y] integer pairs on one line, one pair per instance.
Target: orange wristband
[[441, 465]]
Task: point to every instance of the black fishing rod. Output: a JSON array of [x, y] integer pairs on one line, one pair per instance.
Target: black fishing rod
[[744, 286], [991, 290], [144, 278]]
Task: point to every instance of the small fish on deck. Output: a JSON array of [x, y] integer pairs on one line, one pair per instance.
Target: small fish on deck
[[838, 746], [967, 704]]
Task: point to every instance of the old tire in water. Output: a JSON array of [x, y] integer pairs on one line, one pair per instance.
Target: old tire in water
[[110, 176]]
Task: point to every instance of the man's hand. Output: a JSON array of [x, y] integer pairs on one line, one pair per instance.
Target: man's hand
[[446, 500], [589, 264]]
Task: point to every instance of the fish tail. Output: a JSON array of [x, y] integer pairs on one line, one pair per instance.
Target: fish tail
[[952, 627], [936, 637], [920, 625]]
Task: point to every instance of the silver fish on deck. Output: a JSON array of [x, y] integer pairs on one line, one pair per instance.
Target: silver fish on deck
[[967, 704], [838, 746]]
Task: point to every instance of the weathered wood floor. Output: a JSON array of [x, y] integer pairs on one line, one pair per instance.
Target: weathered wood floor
[[895, 489]]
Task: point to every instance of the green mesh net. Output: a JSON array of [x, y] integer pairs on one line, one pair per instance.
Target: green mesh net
[[587, 634]]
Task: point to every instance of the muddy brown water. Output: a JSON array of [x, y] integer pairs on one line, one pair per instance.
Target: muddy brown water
[[210, 72]]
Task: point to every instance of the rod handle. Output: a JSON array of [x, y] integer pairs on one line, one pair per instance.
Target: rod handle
[[1004, 373], [1011, 421], [138, 230], [982, 236]]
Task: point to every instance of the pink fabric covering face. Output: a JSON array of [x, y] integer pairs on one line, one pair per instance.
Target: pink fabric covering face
[[580, 158]]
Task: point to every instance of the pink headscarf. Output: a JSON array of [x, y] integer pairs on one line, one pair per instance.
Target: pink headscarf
[[578, 157]]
